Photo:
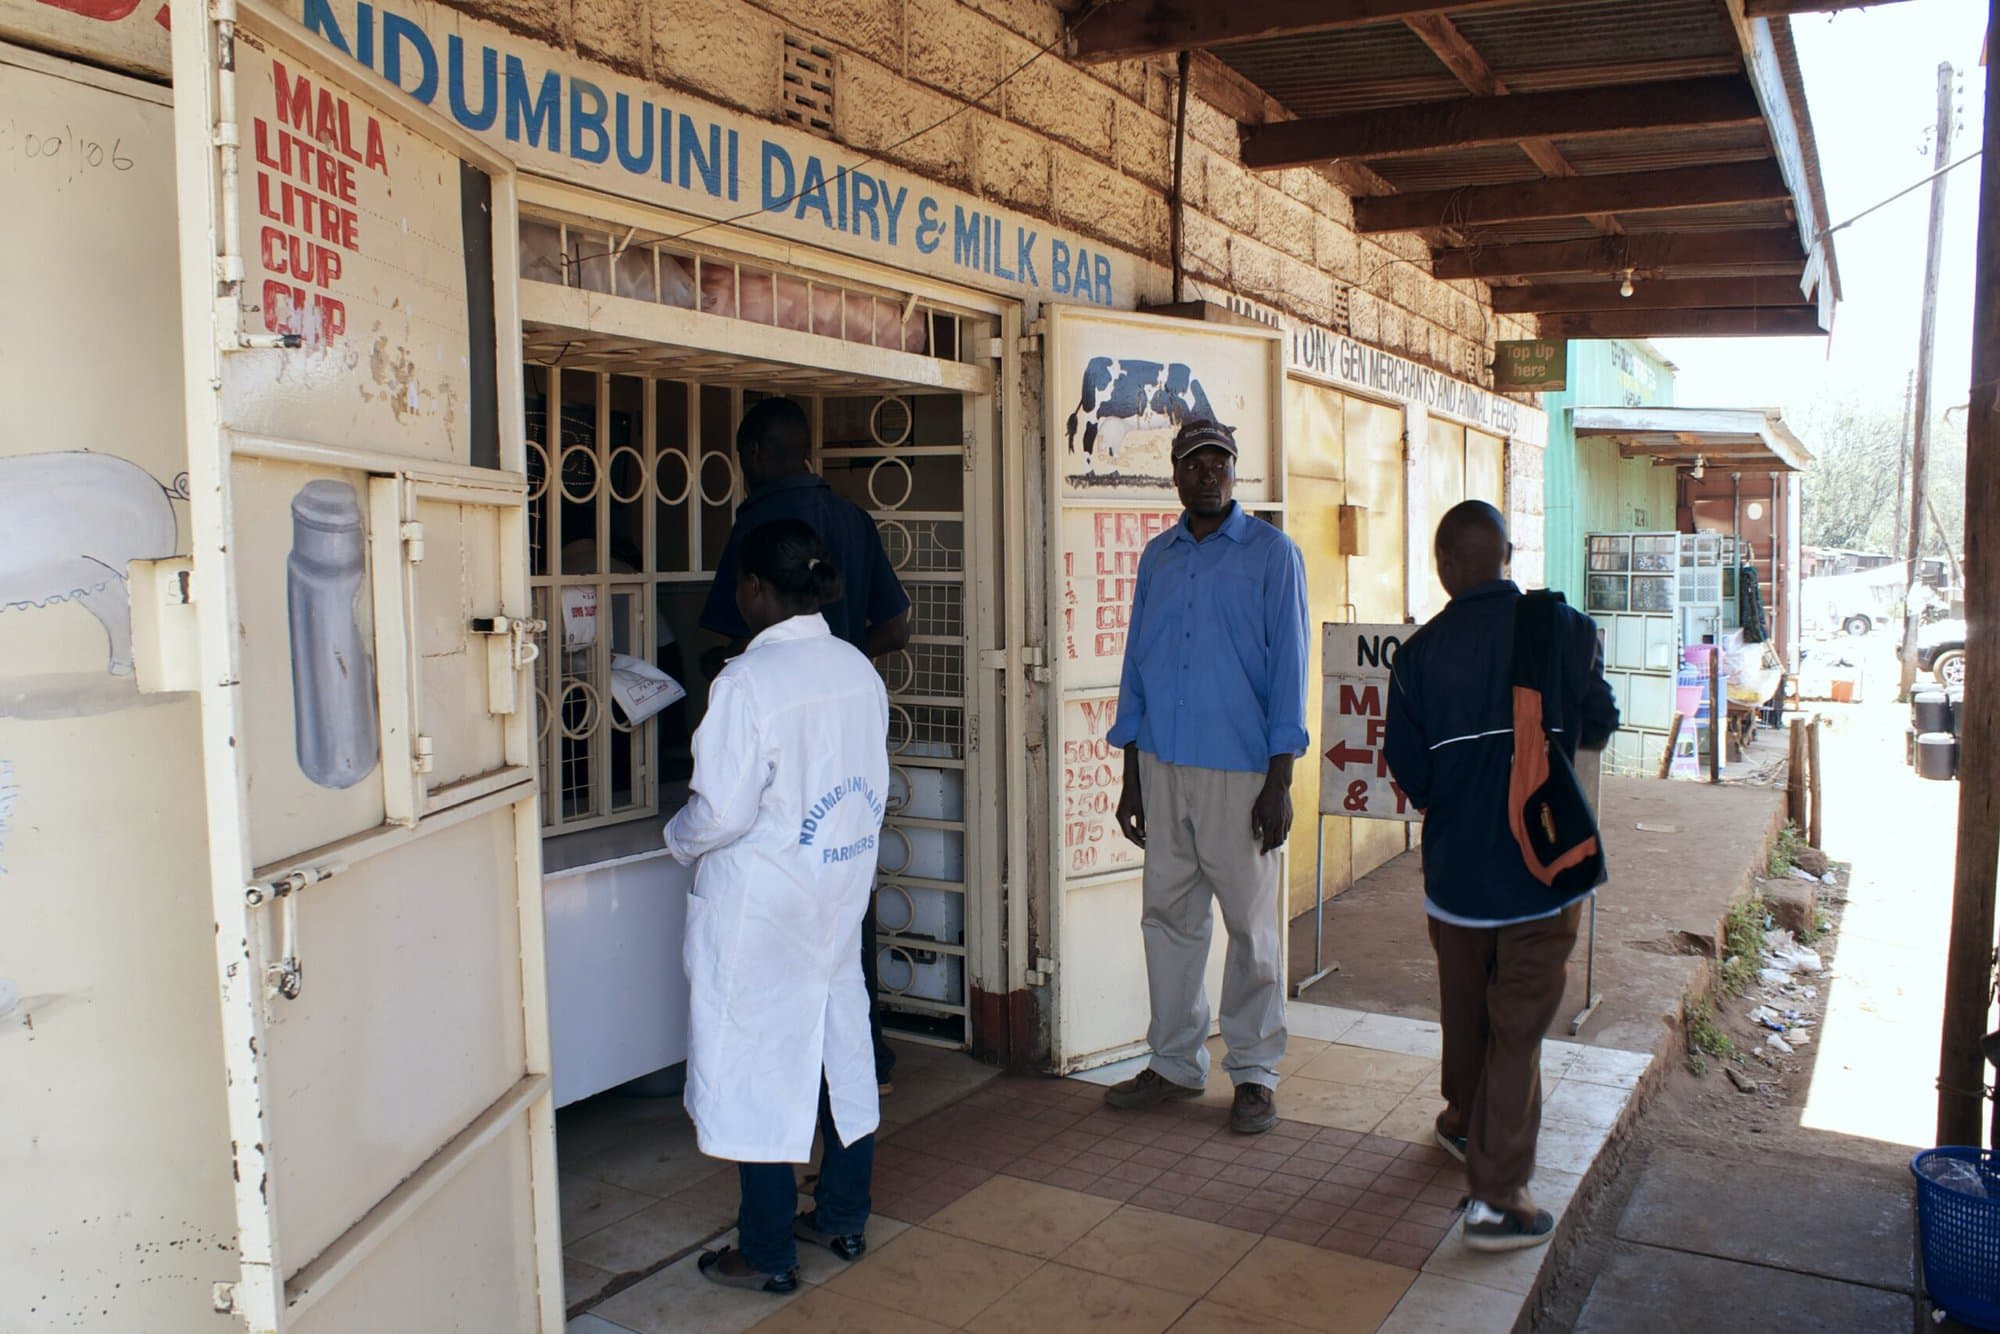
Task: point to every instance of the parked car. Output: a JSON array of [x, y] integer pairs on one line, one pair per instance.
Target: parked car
[[1941, 651]]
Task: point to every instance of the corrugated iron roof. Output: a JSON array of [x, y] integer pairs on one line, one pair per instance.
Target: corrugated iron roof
[[1548, 46]]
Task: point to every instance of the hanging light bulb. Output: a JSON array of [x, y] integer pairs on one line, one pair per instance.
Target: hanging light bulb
[[1700, 467], [1625, 288]]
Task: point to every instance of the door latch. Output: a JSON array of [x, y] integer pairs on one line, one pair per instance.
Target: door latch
[[511, 645]]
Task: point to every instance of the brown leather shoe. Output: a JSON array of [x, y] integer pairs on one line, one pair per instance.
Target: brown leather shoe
[[1254, 1111], [1148, 1089]]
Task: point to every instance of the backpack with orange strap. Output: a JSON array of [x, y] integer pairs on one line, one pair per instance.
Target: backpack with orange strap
[[1547, 810]]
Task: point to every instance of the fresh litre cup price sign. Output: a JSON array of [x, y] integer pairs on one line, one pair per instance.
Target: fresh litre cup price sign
[[1354, 720]]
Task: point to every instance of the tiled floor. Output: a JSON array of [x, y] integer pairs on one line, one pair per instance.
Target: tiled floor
[[1025, 1204]]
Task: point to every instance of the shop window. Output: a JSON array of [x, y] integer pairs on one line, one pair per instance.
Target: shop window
[[599, 259], [632, 486]]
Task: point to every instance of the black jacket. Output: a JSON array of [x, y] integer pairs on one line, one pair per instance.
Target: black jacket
[[1450, 744]]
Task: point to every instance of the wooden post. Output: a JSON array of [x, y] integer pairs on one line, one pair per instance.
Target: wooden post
[[1718, 715], [1968, 979], [1795, 789], [1920, 413], [1815, 793], [1673, 740]]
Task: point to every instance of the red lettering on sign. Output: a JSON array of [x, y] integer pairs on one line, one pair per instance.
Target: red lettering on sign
[[1367, 702]]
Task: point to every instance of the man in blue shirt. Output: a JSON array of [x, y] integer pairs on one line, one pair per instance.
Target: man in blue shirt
[[1501, 936], [1211, 715], [773, 444]]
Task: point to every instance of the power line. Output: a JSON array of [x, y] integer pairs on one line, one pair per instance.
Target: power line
[[1908, 189]]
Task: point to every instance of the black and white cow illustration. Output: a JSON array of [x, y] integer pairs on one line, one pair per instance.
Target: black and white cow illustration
[[1121, 396]]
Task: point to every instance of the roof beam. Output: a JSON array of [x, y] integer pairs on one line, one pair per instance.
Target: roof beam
[[1776, 249], [1130, 28], [1771, 9], [1681, 294], [1707, 323], [1573, 196], [1471, 122]]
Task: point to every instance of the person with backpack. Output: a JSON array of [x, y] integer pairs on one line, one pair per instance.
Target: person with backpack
[[1488, 704]]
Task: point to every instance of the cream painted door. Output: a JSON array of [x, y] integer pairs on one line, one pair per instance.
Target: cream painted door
[[1118, 385], [358, 568]]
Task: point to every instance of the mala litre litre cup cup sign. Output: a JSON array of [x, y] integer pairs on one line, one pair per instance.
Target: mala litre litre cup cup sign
[[1531, 364], [1354, 721]]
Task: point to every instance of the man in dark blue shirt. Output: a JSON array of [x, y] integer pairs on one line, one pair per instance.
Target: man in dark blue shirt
[[1211, 716], [1501, 936], [773, 444]]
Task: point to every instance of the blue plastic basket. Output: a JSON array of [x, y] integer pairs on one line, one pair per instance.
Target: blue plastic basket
[[1959, 1235]]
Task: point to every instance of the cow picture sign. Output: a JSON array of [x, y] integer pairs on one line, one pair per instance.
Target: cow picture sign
[[1354, 716], [1126, 385]]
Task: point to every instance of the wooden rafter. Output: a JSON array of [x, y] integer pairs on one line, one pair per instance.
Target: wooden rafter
[[1459, 56], [1730, 322], [1473, 122], [1665, 294], [1625, 192], [1129, 28], [1771, 250]]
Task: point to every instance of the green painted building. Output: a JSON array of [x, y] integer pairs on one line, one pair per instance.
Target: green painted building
[[1586, 487]]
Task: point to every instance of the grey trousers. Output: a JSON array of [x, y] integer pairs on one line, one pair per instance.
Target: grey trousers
[[1198, 850]]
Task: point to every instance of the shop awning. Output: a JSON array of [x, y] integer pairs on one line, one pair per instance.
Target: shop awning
[[1725, 439], [1557, 149]]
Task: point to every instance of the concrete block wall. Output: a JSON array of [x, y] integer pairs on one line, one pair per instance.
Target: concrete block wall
[[1087, 147]]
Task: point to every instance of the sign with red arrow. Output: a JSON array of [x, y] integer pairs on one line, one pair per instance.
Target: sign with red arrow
[[1354, 716]]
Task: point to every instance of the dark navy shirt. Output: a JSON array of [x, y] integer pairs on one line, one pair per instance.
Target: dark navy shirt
[[1215, 655], [872, 595], [1450, 745]]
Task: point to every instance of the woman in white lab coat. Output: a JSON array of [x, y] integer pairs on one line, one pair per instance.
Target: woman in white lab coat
[[790, 769]]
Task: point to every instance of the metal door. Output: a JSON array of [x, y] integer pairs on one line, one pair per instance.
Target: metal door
[[357, 586], [1117, 386]]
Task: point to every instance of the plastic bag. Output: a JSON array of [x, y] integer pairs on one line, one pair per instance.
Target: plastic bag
[[640, 689], [1956, 1175]]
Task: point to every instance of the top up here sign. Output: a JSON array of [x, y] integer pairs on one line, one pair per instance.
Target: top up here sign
[[1354, 716]]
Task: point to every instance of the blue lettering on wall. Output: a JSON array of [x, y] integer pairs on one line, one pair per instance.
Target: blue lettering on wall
[[639, 161], [540, 118], [930, 232], [489, 84], [397, 33], [776, 188], [966, 235], [696, 161], [689, 152], [587, 110]]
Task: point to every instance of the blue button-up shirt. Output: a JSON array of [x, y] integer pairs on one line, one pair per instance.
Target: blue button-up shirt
[[1215, 656]]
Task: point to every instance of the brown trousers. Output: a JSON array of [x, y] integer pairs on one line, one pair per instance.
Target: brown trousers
[[1498, 990]]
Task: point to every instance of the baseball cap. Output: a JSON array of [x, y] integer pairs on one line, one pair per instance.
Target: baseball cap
[[1201, 433]]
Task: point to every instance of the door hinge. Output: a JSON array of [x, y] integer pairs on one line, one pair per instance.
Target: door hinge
[[412, 534], [223, 1298], [971, 731], [996, 348], [1035, 659], [1029, 344], [422, 756], [510, 646], [1042, 973]]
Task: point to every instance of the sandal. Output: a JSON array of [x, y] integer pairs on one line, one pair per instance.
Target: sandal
[[848, 1246], [710, 1266]]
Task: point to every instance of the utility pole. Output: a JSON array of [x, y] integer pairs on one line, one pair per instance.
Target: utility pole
[[1903, 463], [1968, 979], [1920, 439]]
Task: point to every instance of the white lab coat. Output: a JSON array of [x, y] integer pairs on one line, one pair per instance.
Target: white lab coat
[[791, 768]]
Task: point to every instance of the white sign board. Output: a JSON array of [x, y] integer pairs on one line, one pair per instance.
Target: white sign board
[[1354, 715]]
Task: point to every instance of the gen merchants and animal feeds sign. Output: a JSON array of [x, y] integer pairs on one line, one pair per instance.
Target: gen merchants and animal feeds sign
[[1354, 721]]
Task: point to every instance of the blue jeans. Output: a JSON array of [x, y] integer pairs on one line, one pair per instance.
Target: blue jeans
[[771, 1196]]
